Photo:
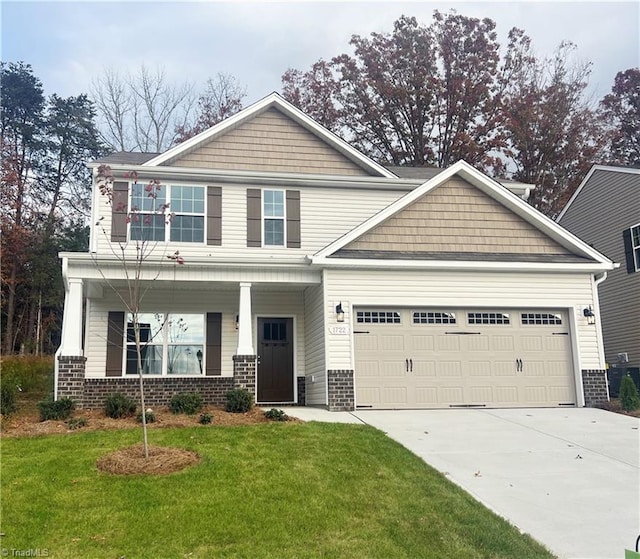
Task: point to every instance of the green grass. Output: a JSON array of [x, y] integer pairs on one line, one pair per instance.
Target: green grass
[[273, 490]]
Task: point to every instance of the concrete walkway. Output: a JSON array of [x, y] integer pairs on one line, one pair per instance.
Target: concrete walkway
[[568, 477]]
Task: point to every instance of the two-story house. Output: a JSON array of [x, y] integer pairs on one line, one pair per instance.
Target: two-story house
[[605, 212], [314, 275]]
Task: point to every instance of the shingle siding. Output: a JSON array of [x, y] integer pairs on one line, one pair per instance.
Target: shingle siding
[[607, 204]]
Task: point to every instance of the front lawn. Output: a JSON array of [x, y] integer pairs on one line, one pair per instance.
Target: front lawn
[[273, 490]]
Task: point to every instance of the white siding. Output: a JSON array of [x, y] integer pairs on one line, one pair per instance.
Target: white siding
[[412, 288], [264, 303], [316, 393], [325, 215]]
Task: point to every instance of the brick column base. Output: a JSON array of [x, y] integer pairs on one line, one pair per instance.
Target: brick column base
[[594, 383], [302, 389], [341, 391], [244, 373], [71, 378]]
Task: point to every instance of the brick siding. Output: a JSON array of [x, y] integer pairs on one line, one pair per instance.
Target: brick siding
[[341, 392], [244, 372], [71, 378], [594, 382]]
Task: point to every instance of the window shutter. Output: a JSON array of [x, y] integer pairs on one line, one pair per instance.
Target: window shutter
[[214, 215], [254, 217], [214, 344], [628, 251], [119, 210], [293, 218], [115, 336]]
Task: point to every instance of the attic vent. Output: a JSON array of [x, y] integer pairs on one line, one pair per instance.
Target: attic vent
[[623, 357]]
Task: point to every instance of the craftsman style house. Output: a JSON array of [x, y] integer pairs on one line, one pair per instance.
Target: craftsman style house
[[313, 275]]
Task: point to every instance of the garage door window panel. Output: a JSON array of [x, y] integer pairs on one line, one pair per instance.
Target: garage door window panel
[[540, 319], [377, 317], [438, 317], [491, 318]]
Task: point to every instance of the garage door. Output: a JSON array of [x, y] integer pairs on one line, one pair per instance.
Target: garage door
[[438, 358]]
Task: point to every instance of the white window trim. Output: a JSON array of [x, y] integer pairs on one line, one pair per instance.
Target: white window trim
[[635, 249], [265, 217], [167, 225], [165, 348]]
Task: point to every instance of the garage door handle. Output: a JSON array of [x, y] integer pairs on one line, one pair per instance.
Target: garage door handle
[[406, 365], [518, 365], [411, 365]]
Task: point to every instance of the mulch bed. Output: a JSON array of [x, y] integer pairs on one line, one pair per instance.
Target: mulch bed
[[161, 460], [26, 422]]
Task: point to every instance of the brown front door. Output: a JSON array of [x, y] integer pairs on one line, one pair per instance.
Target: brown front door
[[275, 365]]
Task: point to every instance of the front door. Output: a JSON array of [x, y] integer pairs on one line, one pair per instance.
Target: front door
[[275, 360]]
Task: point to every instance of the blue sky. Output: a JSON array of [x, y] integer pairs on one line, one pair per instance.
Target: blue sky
[[71, 43]]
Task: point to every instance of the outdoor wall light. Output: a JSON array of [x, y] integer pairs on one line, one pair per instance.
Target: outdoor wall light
[[339, 313], [589, 315]]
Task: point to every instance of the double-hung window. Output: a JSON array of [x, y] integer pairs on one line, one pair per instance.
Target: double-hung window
[[273, 205], [170, 344], [161, 212]]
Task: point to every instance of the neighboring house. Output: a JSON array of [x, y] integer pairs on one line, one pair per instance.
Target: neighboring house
[[314, 275], [605, 212]]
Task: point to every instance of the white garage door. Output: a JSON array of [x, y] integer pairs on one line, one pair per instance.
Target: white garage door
[[438, 358]]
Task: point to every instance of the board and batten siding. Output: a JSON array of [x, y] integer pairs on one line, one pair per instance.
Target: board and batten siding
[[264, 303], [608, 204], [316, 372], [457, 217], [273, 142], [325, 215], [442, 289]]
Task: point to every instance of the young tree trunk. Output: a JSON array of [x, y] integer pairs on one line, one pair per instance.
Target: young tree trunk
[[136, 330]]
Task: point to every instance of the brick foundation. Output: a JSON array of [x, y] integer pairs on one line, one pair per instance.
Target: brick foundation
[[244, 372], [594, 382], [71, 378], [341, 391], [157, 391]]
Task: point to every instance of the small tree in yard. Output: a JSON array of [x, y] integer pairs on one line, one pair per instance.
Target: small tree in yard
[[132, 258], [629, 394]]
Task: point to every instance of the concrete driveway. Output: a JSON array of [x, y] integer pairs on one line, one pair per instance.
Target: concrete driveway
[[568, 477]]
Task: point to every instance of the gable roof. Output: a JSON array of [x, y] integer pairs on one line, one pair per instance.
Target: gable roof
[[606, 168], [276, 101], [489, 187]]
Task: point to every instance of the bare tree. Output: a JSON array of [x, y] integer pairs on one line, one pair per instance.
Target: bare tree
[[141, 111], [221, 99], [132, 257]]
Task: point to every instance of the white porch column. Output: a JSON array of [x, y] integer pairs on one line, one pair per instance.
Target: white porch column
[[71, 343], [245, 336]]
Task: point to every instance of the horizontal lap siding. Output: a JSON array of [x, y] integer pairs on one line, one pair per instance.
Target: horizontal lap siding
[[161, 301], [325, 214], [271, 142], [316, 393], [456, 289], [608, 204]]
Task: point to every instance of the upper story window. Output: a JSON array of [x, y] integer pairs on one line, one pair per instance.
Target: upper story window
[[635, 247], [273, 212], [164, 212]]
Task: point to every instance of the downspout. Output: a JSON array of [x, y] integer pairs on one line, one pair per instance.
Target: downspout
[[597, 280]]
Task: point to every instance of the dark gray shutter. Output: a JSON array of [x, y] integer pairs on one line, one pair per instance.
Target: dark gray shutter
[[214, 215], [119, 210], [115, 336], [214, 344], [293, 218], [628, 251], [254, 217]]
